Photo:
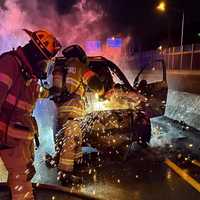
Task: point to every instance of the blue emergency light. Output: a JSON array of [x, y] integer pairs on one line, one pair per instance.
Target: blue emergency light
[[114, 42]]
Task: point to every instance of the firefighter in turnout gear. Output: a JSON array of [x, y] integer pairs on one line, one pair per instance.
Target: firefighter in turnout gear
[[71, 78], [20, 70]]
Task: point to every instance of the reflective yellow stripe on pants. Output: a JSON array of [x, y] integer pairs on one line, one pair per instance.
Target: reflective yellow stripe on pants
[[64, 109], [66, 164], [71, 149]]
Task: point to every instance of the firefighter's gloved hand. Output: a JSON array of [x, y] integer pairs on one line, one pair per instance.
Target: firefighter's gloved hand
[[96, 86]]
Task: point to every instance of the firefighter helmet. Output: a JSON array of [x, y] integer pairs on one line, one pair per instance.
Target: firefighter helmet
[[47, 44], [75, 51]]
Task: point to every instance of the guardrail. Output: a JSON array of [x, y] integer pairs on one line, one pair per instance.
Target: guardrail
[[176, 58], [186, 58]]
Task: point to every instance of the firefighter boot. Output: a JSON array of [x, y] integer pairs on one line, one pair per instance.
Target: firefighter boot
[[51, 161], [69, 178], [80, 165]]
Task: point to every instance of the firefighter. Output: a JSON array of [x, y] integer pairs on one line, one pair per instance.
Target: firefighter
[[72, 78], [20, 70]]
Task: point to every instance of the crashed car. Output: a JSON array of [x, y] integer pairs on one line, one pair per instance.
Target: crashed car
[[123, 116]]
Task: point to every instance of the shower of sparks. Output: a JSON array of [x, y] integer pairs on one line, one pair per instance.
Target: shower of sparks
[[117, 100]]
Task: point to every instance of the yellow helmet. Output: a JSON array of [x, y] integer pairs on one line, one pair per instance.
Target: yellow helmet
[[47, 44]]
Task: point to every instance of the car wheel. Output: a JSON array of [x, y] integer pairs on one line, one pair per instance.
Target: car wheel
[[142, 129]]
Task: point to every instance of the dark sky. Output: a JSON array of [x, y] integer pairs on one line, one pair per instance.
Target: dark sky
[[149, 27], [139, 18]]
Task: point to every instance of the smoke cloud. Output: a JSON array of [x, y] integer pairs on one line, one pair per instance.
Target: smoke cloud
[[85, 20]]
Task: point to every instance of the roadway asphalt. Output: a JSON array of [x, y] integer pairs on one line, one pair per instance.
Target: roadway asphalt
[[142, 177], [147, 174]]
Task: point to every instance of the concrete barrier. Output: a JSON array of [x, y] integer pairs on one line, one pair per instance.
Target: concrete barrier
[[184, 80], [185, 107]]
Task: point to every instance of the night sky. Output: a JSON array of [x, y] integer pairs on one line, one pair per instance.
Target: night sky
[[139, 19], [148, 27]]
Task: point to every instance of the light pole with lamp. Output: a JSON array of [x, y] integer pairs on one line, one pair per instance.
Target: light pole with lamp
[[162, 7]]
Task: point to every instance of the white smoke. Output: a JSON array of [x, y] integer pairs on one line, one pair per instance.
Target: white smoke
[[83, 22]]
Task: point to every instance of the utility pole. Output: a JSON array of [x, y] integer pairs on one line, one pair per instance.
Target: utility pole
[[182, 37]]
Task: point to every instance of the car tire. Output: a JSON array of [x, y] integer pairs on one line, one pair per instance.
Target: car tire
[[142, 129]]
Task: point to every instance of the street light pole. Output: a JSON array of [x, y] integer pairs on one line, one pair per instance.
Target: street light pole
[[162, 7], [182, 28], [182, 37]]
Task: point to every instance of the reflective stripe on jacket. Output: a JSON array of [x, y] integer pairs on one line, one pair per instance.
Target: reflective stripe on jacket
[[77, 77], [88, 74], [73, 80], [71, 109], [17, 97]]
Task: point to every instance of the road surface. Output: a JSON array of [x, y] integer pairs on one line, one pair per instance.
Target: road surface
[[169, 169]]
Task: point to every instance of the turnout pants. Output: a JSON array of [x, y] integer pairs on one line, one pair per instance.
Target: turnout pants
[[71, 148], [70, 151], [18, 161]]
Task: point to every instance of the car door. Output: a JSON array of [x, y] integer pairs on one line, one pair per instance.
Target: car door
[[156, 87], [157, 92]]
